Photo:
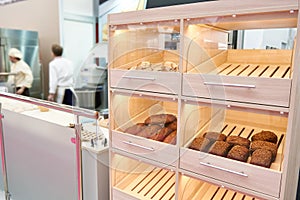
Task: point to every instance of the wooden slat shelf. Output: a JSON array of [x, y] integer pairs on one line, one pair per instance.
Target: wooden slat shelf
[[200, 190], [254, 70], [152, 184]]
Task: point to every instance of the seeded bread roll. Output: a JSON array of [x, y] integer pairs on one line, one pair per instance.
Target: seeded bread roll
[[214, 136], [264, 145], [220, 148], [149, 131], [261, 157], [239, 153], [200, 144], [171, 138], [237, 140], [162, 134], [160, 119], [268, 136], [135, 128]]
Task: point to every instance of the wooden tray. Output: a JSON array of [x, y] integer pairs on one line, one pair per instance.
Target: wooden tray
[[193, 189], [143, 80], [257, 178], [145, 182], [244, 76], [139, 109]]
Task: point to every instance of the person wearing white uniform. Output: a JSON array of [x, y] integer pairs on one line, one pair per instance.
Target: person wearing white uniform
[[23, 78], [60, 77]]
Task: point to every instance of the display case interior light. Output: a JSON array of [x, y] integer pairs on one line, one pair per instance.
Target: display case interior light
[[4, 2]]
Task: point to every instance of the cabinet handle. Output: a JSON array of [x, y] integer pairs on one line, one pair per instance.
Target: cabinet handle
[[224, 169], [138, 145], [140, 78], [230, 85]]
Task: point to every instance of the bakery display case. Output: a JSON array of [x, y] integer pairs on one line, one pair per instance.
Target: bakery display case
[[234, 97], [256, 62], [145, 125], [221, 142], [133, 179], [38, 139], [145, 56]]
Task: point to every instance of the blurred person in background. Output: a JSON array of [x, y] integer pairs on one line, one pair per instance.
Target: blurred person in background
[[23, 78], [60, 77]]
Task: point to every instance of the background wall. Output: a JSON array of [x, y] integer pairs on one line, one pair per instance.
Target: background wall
[[36, 15]]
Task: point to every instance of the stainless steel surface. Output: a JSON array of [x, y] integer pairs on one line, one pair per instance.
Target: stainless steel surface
[[56, 106], [28, 43], [41, 158], [138, 145], [3, 159], [224, 169], [229, 85]]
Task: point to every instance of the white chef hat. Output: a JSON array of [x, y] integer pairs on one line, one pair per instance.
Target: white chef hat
[[13, 52]]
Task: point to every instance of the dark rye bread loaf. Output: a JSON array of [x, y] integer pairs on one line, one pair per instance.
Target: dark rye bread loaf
[[238, 152], [160, 119], [264, 145], [149, 131], [135, 128], [172, 125], [214, 136], [171, 138], [220, 148], [237, 140], [162, 134], [200, 144], [268, 136], [261, 157]]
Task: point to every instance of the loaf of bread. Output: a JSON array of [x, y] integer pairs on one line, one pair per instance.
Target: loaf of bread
[[172, 125], [220, 148], [268, 136], [238, 152], [261, 157], [264, 145], [200, 144], [135, 128], [171, 138], [160, 119], [149, 131], [162, 134], [214, 136], [237, 140]]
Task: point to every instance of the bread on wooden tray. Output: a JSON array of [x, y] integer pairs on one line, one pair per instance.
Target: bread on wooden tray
[[239, 152], [261, 157], [214, 136], [268, 136], [160, 127], [200, 144], [160, 119], [219, 148], [237, 140]]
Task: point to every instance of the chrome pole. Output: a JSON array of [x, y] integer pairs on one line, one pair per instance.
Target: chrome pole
[[78, 158]]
